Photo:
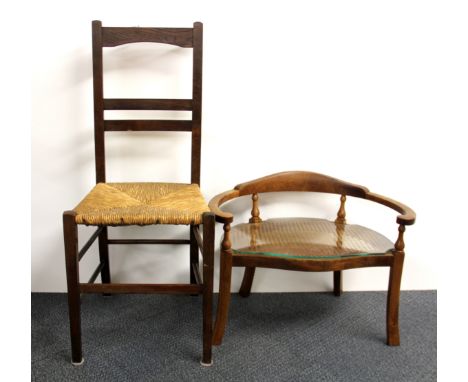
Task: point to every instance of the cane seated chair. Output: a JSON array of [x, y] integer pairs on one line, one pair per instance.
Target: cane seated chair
[[307, 244], [122, 204]]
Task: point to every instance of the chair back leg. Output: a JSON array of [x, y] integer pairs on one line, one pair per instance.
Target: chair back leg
[[247, 281], [104, 257], [337, 283]]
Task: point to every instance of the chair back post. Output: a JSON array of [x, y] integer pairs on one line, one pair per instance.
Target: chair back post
[[99, 148], [197, 100]]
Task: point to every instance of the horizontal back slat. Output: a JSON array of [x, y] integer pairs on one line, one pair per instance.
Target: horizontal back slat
[[114, 36], [147, 125], [147, 104]]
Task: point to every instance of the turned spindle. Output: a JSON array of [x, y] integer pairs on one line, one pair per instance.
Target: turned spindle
[[400, 244], [255, 211], [226, 244], [341, 216]]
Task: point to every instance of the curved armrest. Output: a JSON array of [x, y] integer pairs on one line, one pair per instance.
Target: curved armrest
[[215, 203], [407, 217], [306, 181]]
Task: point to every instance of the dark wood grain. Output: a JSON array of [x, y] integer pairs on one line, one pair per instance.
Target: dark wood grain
[[89, 243], [114, 36], [147, 104], [208, 265], [247, 281], [110, 37], [197, 80], [147, 125], [70, 235], [337, 283], [141, 288], [194, 255], [96, 273], [104, 256], [98, 91]]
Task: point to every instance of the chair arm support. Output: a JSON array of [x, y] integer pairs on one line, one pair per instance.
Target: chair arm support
[[215, 203], [407, 217]]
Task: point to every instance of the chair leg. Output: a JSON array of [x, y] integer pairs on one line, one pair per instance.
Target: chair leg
[[393, 300], [104, 258], [337, 283], [246, 285], [70, 233], [208, 266], [224, 296], [193, 255]]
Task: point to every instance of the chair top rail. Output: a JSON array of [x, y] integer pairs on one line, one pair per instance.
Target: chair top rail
[[115, 36]]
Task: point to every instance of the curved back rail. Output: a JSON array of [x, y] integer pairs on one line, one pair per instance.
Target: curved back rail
[[307, 181]]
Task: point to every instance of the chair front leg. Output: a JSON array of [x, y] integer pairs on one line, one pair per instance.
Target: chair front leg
[[224, 296], [70, 234], [393, 295], [208, 266]]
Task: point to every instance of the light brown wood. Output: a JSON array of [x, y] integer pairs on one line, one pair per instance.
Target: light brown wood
[[407, 217], [306, 181], [222, 216], [255, 210], [224, 295], [301, 181], [341, 216]]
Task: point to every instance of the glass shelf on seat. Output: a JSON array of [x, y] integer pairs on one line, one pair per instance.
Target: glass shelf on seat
[[307, 239]]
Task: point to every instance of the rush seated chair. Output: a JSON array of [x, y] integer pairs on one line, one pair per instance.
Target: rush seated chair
[[307, 244], [122, 204]]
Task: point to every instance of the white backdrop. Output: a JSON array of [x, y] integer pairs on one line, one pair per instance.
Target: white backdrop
[[357, 91]]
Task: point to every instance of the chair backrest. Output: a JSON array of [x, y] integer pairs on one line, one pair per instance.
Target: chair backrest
[[112, 36], [301, 181]]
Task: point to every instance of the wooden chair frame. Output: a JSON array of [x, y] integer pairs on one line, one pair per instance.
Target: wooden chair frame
[[307, 182], [111, 37]]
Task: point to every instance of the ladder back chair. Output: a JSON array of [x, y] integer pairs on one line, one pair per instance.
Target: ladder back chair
[[307, 244], [121, 204]]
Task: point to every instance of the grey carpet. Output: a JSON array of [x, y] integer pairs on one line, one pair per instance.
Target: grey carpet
[[270, 337]]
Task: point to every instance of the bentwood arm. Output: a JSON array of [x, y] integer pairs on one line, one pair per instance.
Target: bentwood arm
[[407, 215], [306, 181], [222, 216]]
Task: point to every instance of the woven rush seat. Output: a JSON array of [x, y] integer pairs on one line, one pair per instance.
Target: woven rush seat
[[142, 204], [307, 238]]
